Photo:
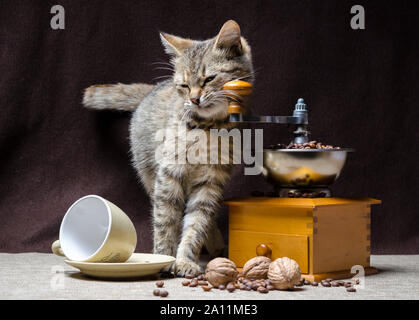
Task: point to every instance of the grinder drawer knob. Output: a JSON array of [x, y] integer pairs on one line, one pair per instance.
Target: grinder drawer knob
[[264, 250]]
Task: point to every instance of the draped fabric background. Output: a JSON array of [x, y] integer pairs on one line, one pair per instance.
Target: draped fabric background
[[360, 87]]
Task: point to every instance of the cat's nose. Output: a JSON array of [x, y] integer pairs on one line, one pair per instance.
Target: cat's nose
[[195, 100]]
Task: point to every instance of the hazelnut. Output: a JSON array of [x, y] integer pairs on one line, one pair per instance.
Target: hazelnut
[[257, 268], [284, 273], [220, 271], [264, 250]]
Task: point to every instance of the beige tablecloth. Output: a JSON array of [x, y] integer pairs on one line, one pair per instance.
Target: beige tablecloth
[[45, 276]]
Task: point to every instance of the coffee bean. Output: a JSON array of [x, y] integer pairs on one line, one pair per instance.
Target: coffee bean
[[160, 284], [357, 281], [314, 284], [200, 277], [255, 286], [221, 287], [206, 288], [231, 287], [270, 287], [164, 294], [186, 283], [348, 284], [341, 283], [156, 292], [267, 281], [189, 276], [245, 281], [334, 284], [248, 288], [202, 283], [351, 289], [326, 284], [242, 287], [193, 284], [306, 145], [262, 290], [306, 282]]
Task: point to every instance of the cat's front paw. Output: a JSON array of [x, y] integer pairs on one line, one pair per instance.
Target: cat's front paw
[[182, 267]]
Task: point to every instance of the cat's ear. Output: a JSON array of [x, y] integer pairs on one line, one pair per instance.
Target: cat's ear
[[229, 39], [174, 45]]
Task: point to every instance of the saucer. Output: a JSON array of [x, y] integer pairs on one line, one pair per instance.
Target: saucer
[[138, 265]]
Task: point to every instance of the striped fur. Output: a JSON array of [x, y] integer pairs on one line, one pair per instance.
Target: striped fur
[[185, 197]]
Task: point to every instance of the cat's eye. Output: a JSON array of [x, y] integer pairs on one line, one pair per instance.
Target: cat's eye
[[209, 79]]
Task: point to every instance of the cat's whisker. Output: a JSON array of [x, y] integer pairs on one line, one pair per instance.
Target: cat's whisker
[[163, 77], [163, 63], [229, 98], [218, 99], [208, 96], [229, 95], [164, 68], [250, 75], [186, 114]]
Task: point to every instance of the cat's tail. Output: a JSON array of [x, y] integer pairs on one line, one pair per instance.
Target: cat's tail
[[125, 97]]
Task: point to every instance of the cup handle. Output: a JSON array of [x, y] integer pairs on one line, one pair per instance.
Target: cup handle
[[56, 248]]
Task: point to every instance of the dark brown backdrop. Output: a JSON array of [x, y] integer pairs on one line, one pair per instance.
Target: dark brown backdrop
[[361, 89]]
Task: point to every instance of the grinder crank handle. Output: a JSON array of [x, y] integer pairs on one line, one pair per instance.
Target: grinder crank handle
[[238, 91]]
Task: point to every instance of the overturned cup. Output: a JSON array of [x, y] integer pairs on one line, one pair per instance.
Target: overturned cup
[[95, 230]]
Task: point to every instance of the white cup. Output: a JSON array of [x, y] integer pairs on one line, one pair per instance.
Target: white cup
[[95, 230]]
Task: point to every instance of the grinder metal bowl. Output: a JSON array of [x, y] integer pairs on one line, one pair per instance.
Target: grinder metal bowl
[[305, 170], [302, 170]]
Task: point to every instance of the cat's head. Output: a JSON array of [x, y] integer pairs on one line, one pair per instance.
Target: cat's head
[[202, 67]]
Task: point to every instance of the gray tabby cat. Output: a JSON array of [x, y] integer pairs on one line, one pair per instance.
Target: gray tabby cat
[[185, 196]]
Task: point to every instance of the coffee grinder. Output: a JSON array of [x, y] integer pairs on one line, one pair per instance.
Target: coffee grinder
[[329, 237]]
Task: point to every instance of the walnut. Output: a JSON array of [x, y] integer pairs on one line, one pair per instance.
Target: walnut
[[257, 268], [220, 271], [284, 273]]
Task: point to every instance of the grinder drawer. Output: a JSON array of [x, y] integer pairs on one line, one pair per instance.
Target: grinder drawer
[[242, 246]]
